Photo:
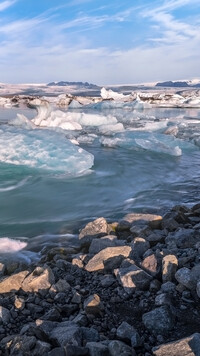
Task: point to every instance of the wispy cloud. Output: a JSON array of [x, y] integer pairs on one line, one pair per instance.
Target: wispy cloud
[[5, 4]]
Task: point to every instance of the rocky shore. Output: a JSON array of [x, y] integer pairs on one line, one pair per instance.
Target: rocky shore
[[132, 287]]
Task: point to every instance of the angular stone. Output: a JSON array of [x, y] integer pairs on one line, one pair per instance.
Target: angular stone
[[116, 348], [169, 268], [189, 346], [159, 320], [41, 348], [89, 334], [4, 315], [76, 299], [13, 282], [170, 224], [151, 265], [19, 303], [139, 246], [107, 241], [97, 263], [97, 349], [39, 279], [151, 220], [127, 332], [61, 286], [93, 305], [183, 238], [69, 334], [184, 277], [133, 278], [94, 229]]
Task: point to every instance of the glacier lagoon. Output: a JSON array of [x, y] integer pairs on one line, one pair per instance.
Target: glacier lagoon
[[84, 163]]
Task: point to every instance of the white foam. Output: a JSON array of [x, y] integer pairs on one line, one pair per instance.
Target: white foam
[[10, 245]]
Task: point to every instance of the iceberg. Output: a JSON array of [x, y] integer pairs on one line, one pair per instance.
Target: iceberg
[[43, 149]]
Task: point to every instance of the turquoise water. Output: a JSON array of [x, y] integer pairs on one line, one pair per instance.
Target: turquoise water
[[125, 176]]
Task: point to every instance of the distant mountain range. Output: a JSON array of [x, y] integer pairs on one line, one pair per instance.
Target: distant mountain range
[[78, 84], [179, 84]]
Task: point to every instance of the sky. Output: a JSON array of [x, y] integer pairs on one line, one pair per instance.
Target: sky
[[99, 41]]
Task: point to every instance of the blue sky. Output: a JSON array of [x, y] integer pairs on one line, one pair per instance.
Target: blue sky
[[115, 42]]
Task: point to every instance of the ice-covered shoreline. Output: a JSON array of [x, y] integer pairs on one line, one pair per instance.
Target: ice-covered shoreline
[[129, 286]]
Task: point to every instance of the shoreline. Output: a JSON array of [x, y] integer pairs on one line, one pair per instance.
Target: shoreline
[[129, 289]]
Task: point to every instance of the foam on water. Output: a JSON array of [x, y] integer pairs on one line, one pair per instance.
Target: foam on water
[[43, 149], [8, 245]]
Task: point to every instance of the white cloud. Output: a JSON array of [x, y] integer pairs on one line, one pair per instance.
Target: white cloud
[[5, 4]]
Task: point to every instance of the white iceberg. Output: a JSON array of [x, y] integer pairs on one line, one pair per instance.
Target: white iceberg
[[43, 149]]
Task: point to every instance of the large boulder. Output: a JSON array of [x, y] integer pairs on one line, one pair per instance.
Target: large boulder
[[97, 263], [12, 283], [93, 229], [132, 278], [40, 279], [169, 268], [159, 321], [189, 346], [140, 220], [66, 333], [101, 243]]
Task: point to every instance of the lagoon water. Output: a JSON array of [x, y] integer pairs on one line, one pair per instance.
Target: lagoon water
[[49, 185]]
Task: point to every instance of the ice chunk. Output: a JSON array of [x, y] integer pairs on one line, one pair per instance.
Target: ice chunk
[[110, 94], [22, 121], [111, 128], [43, 149], [158, 146]]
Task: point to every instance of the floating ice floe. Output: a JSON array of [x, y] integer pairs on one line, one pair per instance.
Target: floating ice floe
[[155, 142], [43, 149]]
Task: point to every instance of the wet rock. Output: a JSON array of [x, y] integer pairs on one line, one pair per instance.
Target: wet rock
[[116, 347], [93, 305], [151, 265], [159, 320], [188, 346], [13, 282], [94, 229], [72, 350], [169, 268], [198, 289], [97, 349], [97, 263], [40, 279], [4, 315], [133, 278]]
